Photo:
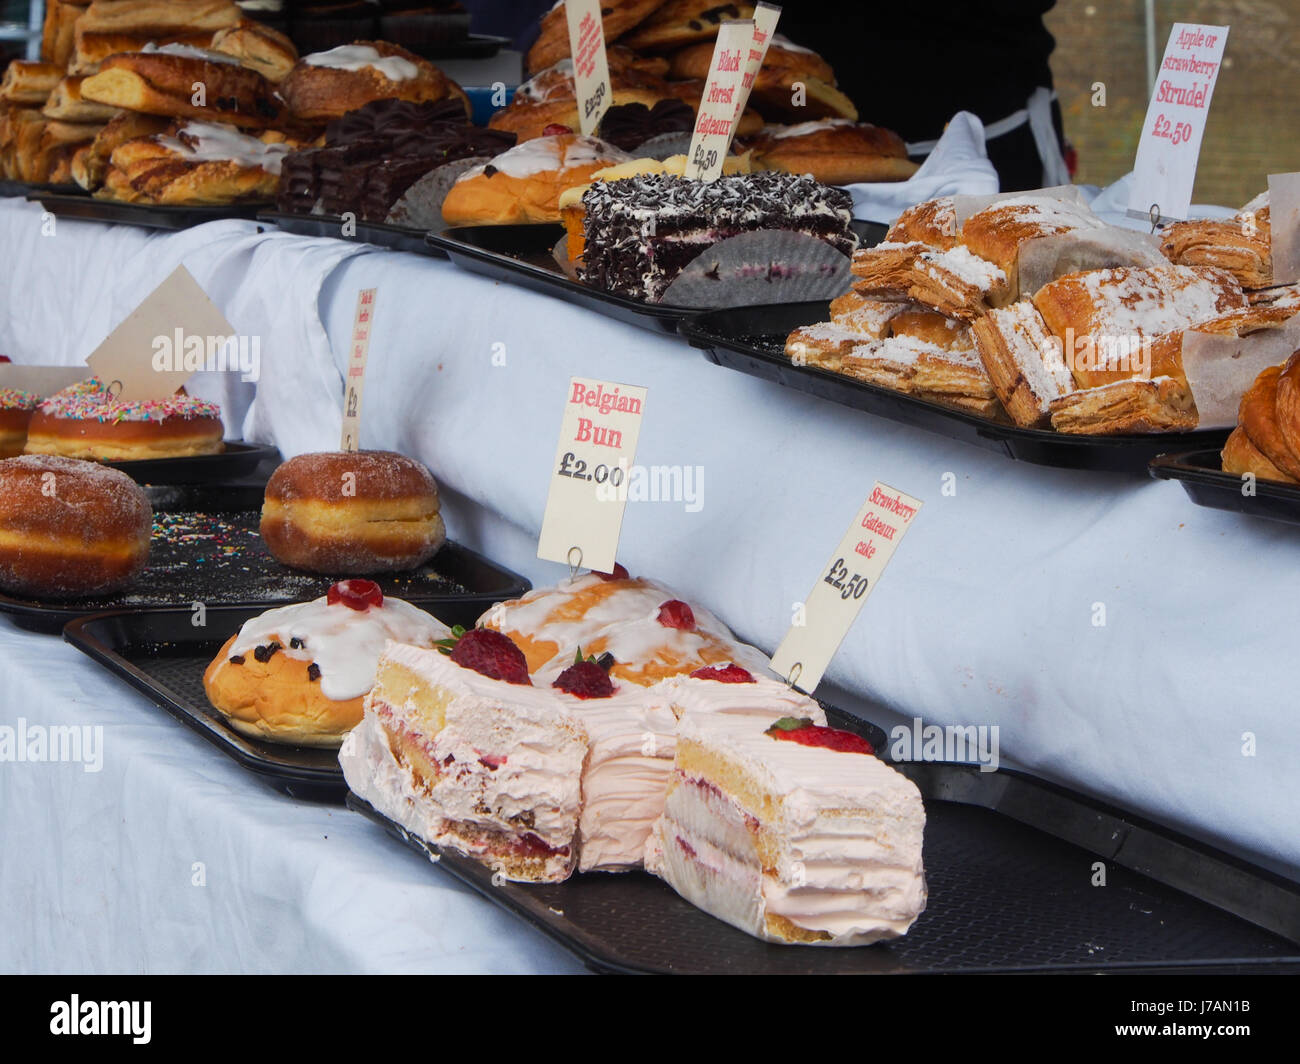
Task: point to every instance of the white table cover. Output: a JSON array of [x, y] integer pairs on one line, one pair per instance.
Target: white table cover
[[987, 614]]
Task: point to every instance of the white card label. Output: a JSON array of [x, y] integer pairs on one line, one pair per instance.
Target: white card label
[[715, 122], [355, 382], [168, 338], [43, 381], [765, 20], [590, 64], [849, 577], [1284, 226], [589, 479], [1171, 136]]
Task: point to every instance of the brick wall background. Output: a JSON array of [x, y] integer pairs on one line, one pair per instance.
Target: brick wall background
[[1254, 124]]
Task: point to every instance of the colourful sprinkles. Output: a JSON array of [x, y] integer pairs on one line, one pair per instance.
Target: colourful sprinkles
[[13, 399], [89, 400]]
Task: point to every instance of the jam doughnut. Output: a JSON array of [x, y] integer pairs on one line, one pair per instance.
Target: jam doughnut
[[344, 513], [85, 421], [70, 529]]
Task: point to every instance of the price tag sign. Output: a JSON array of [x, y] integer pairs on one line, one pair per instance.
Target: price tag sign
[[715, 122], [589, 479], [590, 64], [848, 579], [168, 338], [1171, 137], [355, 382], [765, 20]]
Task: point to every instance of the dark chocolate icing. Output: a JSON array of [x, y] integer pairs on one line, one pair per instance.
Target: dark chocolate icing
[[393, 119], [630, 125], [373, 154]]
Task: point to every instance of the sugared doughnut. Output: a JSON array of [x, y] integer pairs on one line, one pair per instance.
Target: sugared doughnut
[[70, 529], [15, 412], [298, 674], [85, 421], [358, 512]]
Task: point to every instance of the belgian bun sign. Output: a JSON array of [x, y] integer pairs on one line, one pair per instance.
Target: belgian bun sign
[[715, 121], [590, 64]]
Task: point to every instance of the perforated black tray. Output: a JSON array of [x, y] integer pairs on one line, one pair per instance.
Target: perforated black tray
[[162, 654], [1010, 864], [1202, 477], [147, 215], [395, 237], [206, 549], [752, 340]]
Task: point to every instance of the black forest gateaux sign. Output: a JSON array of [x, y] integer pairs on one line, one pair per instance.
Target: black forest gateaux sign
[[1171, 136], [835, 602], [598, 438], [590, 64], [715, 121]]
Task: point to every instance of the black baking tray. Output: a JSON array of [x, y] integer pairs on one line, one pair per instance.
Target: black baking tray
[[146, 215], [752, 340], [522, 255], [1009, 862], [206, 549], [162, 654], [381, 234], [237, 460], [1202, 477], [25, 189]]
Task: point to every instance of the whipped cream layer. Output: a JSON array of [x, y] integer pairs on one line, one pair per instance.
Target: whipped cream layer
[[632, 738], [789, 842], [498, 758], [344, 643]]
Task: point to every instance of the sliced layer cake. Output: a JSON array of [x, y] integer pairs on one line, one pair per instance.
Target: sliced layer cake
[[791, 832]]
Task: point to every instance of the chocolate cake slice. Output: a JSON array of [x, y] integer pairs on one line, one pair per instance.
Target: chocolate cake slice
[[641, 232]]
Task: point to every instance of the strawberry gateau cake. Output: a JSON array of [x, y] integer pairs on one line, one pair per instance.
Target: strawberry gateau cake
[[792, 832]]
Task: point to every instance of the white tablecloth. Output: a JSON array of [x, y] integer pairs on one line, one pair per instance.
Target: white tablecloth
[[985, 616]]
